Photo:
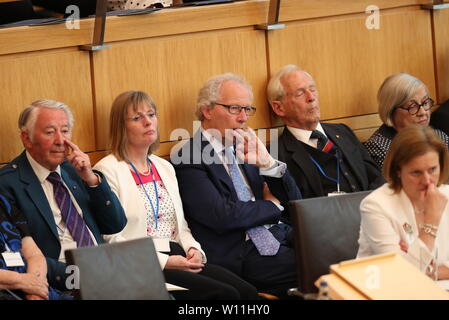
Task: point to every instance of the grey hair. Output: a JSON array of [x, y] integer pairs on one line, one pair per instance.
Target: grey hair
[[28, 116], [395, 91], [209, 94], [275, 89]]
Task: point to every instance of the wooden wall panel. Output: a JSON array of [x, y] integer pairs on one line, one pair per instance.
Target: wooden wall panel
[[349, 62], [62, 75], [33, 38], [187, 20], [441, 33], [306, 9], [173, 69]]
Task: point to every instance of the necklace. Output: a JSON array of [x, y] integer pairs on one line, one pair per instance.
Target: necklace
[[146, 174]]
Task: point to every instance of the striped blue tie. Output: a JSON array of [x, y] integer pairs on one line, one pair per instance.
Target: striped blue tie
[[72, 219], [263, 239]]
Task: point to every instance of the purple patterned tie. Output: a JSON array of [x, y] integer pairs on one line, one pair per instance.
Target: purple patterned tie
[[263, 239], [72, 219]]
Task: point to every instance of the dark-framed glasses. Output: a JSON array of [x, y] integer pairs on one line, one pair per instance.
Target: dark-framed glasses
[[236, 109], [413, 107]]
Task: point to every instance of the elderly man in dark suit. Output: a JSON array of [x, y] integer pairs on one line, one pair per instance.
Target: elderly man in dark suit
[[234, 193], [323, 158], [65, 202]]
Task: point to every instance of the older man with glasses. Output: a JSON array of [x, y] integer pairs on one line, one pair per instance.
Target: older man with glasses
[[234, 193], [403, 100]]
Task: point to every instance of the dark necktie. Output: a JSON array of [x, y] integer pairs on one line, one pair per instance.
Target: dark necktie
[[263, 239], [324, 144], [72, 219]]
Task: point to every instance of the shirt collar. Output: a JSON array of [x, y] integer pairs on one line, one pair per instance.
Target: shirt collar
[[304, 135], [216, 144], [40, 171]]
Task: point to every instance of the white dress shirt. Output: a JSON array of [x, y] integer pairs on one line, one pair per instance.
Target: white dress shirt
[[304, 135]]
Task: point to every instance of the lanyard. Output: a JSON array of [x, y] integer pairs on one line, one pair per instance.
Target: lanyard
[[337, 181], [6, 244], [155, 212]]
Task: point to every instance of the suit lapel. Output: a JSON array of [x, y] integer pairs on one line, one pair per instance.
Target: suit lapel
[[253, 177], [216, 166], [36, 193], [301, 158]]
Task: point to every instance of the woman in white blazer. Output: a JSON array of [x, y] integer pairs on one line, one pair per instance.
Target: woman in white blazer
[[147, 188], [410, 213]]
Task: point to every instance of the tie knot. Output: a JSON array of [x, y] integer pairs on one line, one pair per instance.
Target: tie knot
[[54, 178], [316, 134]]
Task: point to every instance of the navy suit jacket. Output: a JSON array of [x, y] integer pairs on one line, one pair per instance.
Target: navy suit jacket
[[102, 211], [307, 176], [217, 218]]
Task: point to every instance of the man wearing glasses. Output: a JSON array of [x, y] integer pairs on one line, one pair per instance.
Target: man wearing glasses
[[324, 159], [234, 193], [403, 100]]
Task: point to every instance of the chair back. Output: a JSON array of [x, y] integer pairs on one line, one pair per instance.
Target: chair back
[[326, 232], [127, 270]]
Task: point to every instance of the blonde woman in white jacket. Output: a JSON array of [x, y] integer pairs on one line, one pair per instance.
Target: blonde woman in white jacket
[[147, 188]]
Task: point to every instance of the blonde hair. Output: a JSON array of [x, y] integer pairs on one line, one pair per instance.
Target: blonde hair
[[117, 124], [395, 91], [411, 142]]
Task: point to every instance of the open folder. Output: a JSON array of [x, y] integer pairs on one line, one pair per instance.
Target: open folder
[[381, 277]]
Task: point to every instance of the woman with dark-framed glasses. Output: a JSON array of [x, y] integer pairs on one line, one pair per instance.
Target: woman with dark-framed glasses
[[403, 100]]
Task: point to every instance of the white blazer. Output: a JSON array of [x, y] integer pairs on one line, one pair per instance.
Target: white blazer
[[386, 218], [120, 180]]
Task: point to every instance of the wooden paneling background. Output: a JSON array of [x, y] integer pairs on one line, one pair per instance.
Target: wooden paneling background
[[171, 53], [62, 75]]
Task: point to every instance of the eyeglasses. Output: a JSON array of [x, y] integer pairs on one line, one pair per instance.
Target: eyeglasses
[[140, 116], [236, 109], [413, 107]]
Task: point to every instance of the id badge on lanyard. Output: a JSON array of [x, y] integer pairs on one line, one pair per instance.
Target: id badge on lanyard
[[12, 259]]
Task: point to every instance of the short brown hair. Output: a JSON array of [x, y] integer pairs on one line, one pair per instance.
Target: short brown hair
[[117, 128], [410, 142]]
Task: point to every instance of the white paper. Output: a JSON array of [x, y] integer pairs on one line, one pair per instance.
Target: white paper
[[172, 287]]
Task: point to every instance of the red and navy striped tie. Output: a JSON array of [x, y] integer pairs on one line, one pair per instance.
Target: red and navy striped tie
[[324, 144]]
